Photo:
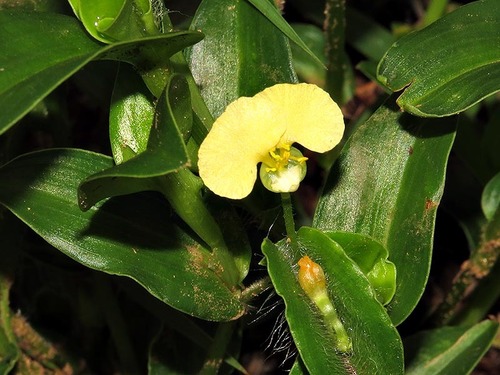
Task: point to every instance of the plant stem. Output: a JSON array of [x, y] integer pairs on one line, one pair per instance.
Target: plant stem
[[286, 202], [253, 290], [472, 271], [337, 78]]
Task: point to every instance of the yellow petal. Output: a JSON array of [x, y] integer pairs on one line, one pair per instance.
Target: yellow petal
[[311, 117], [239, 139]]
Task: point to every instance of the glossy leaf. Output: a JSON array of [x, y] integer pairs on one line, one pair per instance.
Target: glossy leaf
[[133, 236], [307, 69], [116, 20], [448, 350], [455, 62], [165, 152], [28, 74], [387, 184], [131, 115], [376, 344], [490, 200], [371, 257], [234, 59], [268, 9]]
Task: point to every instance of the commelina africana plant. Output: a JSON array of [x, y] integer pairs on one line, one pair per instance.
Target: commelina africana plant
[[262, 129]]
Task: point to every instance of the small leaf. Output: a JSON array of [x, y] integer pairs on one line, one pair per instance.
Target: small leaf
[[448, 66], [116, 20], [376, 346], [165, 152], [371, 258], [133, 236], [387, 184], [131, 115], [490, 199], [448, 350]]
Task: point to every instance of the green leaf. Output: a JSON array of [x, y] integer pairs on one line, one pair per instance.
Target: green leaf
[[490, 199], [235, 59], [116, 20], [133, 236], [371, 257], [448, 350], [52, 47], [309, 70], [339, 74], [366, 35], [376, 346], [448, 66], [165, 152], [298, 368], [387, 184], [131, 115], [268, 9]]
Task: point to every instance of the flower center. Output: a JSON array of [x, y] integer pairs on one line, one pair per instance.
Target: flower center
[[283, 169]]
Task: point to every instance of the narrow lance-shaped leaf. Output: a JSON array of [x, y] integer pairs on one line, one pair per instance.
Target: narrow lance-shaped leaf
[[448, 66], [268, 9], [28, 74], [236, 50], [448, 350], [387, 184], [133, 236], [165, 152], [375, 344]]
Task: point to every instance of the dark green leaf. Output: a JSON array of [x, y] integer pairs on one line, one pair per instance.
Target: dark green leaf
[[52, 47], [268, 9], [165, 152], [448, 66], [448, 350], [307, 69], [387, 184], [133, 236], [242, 53], [371, 258], [377, 348], [131, 115]]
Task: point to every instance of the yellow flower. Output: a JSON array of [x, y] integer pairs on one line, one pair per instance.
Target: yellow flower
[[262, 129]]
